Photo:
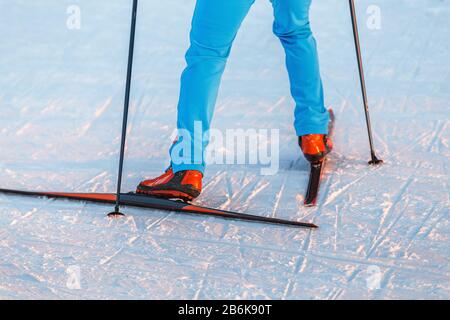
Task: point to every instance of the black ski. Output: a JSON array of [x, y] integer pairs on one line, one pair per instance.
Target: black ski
[[316, 172], [143, 201]]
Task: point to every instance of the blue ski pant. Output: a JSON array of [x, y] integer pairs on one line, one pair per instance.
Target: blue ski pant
[[214, 28]]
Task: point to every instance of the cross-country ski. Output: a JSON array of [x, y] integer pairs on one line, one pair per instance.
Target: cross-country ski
[[141, 201]]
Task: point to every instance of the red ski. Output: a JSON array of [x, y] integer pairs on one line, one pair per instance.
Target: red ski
[[143, 201]]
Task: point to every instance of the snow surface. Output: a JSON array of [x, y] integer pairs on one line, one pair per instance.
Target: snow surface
[[61, 94]]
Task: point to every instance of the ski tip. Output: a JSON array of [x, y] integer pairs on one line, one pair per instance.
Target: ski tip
[[331, 112], [376, 162]]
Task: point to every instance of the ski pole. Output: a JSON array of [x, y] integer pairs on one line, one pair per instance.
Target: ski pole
[[116, 211], [374, 160]]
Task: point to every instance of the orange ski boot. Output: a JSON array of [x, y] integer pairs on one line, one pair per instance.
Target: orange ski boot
[[315, 147], [184, 185]]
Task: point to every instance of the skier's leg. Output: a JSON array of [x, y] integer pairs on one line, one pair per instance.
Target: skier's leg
[[214, 27], [292, 27]]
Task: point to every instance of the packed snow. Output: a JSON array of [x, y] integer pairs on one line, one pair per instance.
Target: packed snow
[[384, 231]]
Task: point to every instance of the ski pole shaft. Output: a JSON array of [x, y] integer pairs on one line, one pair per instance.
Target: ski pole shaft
[[374, 159], [126, 102]]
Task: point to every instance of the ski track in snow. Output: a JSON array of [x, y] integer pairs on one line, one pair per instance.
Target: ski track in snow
[[61, 95]]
